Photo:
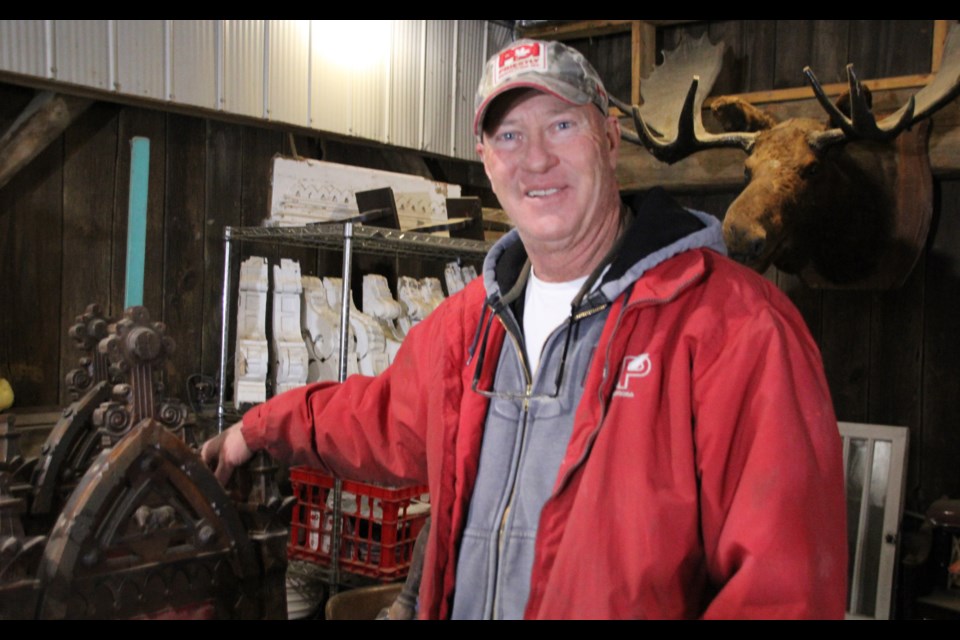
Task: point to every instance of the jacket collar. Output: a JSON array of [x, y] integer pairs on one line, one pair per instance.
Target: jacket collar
[[658, 228]]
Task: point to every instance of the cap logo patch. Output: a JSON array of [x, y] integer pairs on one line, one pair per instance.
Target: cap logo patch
[[524, 57]]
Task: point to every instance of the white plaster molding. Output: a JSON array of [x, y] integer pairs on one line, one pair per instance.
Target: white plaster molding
[[378, 302], [320, 327], [469, 273], [251, 357], [334, 291], [453, 274], [290, 354], [307, 190], [432, 293]]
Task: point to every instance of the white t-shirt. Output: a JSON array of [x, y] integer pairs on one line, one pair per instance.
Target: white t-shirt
[[546, 306]]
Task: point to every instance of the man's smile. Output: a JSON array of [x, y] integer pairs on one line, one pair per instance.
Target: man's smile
[[541, 193]]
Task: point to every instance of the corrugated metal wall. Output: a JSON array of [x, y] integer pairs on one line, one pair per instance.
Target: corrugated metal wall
[[404, 82], [193, 62]]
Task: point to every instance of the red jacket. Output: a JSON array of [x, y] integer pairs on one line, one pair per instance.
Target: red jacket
[[703, 477]]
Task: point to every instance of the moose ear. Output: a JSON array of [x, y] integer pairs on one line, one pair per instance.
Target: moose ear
[[735, 114]]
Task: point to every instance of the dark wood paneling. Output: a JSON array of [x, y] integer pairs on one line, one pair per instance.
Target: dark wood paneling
[[896, 339], [616, 46], [885, 48], [223, 209], [939, 440], [31, 247], [184, 269], [845, 345], [822, 44], [829, 52], [383, 158], [668, 38], [13, 100], [730, 78], [88, 198], [259, 147], [794, 41], [758, 40]]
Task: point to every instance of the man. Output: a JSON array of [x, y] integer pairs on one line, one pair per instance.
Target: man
[[616, 421]]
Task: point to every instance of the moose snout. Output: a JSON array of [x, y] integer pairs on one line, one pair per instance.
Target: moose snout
[[745, 244]]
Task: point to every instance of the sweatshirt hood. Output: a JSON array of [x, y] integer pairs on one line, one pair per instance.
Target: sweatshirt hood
[[658, 228]]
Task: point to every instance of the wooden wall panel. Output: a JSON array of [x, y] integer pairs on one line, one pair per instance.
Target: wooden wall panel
[[885, 48], [182, 242], [616, 46], [758, 39], [224, 144], [845, 346], [822, 44], [88, 196], [32, 250], [895, 375], [730, 32], [939, 441]]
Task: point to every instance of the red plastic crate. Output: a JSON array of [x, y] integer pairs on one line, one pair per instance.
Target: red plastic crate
[[380, 524]]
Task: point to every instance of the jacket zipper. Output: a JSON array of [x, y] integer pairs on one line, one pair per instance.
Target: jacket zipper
[[528, 375], [513, 483], [629, 306]]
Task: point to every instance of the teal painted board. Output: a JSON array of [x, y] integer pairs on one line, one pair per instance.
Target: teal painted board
[[137, 220]]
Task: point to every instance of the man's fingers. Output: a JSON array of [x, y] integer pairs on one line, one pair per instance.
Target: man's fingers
[[225, 452], [210, 451], [223, 472]]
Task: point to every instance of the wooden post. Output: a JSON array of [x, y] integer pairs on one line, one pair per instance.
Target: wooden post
[[643, 36], [940, 28]]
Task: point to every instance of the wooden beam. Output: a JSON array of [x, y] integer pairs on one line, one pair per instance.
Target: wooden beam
[[643, 55], [940, 28], [833, 89], [575, 29], [636, 57], [42, 121]]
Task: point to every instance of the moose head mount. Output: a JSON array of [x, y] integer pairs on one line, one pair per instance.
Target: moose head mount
[[844, 203]]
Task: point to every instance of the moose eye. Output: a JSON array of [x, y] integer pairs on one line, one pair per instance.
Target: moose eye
[[747, 174], [810, 170]]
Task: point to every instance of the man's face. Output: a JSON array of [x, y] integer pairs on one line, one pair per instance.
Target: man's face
[[552, 166]]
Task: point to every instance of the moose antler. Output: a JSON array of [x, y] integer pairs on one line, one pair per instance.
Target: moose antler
[[862, 124], [668, 137]]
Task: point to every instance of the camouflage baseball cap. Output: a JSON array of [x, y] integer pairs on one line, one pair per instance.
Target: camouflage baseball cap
[[548, 66]]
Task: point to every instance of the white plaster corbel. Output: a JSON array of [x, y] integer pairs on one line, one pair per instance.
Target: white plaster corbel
[[453, 274], [291, 358], [378, 302], [334, 290], [320, 327], [432, 293], [251, 355]]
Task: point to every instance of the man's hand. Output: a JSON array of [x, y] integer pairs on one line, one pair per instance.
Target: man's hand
[[226, 452]]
